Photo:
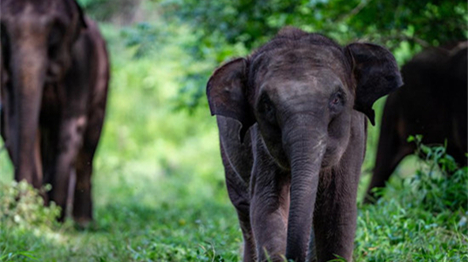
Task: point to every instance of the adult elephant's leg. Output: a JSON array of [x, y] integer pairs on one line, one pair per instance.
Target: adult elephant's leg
[[384, 169], [390, 151], [49, 147], [77, 88], [69, 142], [82, 202]]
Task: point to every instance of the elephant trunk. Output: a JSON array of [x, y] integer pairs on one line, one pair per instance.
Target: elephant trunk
[[305, 146], [29, 65]]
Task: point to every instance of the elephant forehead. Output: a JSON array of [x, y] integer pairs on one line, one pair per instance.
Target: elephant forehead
[[301, 66], [306, 58], [317, 82], [33, 9], [28, 22]]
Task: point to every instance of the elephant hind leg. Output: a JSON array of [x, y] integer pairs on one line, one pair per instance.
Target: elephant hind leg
[[69, 143], [383, 172], [458, 152], [391, 150], [82, 201], [238, 191]]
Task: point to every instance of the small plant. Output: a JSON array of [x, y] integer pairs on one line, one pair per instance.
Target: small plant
[[435, 155], [442, 185], [22, 206]]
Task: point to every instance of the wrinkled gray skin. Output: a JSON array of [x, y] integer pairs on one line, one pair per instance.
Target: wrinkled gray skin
[[293, 140], [432, 103], [54, 76]]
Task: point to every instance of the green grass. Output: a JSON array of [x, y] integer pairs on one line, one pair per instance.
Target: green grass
[[159, 189]]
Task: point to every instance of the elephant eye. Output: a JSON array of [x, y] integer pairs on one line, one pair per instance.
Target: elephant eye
[[337, 101], [267, 109]]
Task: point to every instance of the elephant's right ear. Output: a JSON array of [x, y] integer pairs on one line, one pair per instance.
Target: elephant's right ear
[[376, 73], [81, 16], [226, 92]]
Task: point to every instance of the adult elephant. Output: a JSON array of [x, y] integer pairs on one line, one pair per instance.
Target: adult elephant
[[432, 103], [54, 77], [293, 134]]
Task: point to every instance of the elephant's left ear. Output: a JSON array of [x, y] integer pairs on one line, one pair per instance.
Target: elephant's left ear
[[376, 73]]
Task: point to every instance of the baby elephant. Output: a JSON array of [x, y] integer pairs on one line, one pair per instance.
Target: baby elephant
[[432, 103], [54, 75], [293, 134]]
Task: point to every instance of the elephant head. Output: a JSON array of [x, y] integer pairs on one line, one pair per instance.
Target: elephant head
[[303, 91], [36, 42]]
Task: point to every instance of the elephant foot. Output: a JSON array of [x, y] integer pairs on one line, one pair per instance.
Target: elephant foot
[[84, 224]]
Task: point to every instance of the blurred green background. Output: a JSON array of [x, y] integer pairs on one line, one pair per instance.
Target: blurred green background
[[158, 181]]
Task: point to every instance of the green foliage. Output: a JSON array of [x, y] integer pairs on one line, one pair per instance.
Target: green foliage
[[403, 26], [225, 29], [236, 21], [385, 22], [146, 38], [22, 206], [338, 259], [15, 256], [420, 218], [442, 185], [436, 155], [22, 216], [107, 10], [158, 181]]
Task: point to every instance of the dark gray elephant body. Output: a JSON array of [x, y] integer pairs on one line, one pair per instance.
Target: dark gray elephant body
[[55, 74], [432, 103], [292, 140]]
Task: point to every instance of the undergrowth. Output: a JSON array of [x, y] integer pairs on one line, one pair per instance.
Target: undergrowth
[[420, 218], [159, 191]]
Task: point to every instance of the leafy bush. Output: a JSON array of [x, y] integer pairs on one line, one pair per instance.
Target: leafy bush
[[25, 221], [421, 218], [22, 206], [441, 184]]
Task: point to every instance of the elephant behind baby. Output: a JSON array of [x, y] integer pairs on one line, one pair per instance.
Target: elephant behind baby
[[432, 103], [54, 79], [292, 135]]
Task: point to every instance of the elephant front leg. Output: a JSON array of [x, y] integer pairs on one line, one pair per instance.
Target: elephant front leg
[[335, 216], [37, 175], [269, 210], [69, 143]]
